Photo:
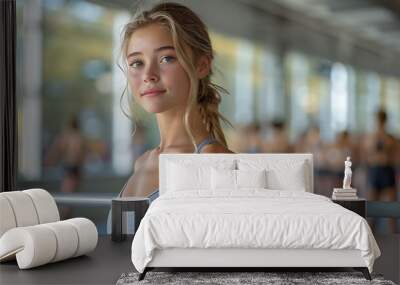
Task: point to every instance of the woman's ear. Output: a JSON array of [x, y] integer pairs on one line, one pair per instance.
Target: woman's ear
[[203, 66]]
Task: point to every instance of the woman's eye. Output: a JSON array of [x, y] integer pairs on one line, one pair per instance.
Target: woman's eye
[[167, 59], [135, 64]]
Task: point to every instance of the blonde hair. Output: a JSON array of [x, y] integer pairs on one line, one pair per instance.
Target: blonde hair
[[187, 30]]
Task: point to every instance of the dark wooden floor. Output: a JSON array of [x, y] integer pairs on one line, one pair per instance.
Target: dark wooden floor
[[103, 266], [110, 260], [389, 262]]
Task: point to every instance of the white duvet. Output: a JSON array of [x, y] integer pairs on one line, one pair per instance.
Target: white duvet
[[252, 218]]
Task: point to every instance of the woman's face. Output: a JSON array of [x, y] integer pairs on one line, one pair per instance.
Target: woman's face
[[156, 78]]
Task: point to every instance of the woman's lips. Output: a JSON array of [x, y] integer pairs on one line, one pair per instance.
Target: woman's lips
[[152, 93]]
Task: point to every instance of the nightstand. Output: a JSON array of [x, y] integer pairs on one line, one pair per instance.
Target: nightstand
[[358, 206], [118, 206]]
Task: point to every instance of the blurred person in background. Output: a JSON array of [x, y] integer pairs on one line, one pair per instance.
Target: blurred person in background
[[69, 149], [253, 139], [311, 142], [278, 140], [381, 151]]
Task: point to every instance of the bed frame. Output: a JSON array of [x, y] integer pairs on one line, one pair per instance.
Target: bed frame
[[261, 259], [236, 259]]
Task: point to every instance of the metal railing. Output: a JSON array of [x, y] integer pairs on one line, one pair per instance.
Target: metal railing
[[380, 209]]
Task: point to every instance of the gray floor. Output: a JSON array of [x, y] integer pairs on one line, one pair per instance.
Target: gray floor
[[110, 260]]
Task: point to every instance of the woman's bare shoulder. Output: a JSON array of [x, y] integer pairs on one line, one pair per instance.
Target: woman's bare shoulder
[[216, 148], [144, 158]]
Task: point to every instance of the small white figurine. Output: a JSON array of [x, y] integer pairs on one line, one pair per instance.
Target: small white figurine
[[347, 174]]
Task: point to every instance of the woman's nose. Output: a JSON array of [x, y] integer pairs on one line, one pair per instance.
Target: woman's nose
[[150, 78], [151, 75]]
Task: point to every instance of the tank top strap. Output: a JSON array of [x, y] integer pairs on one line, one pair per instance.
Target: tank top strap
[[123, 188], [205, 142]]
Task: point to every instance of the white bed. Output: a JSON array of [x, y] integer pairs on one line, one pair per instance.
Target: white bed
[[268, 217]]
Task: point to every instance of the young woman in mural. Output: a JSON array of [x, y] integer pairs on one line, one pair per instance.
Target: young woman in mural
[[168, 56]]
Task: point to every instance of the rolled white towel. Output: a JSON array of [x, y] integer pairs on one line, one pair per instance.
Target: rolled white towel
[[40, 244], [66, 238], [23, 208], [33, 246], [26, 208], [7, 218], [45, 205], [87, 235]]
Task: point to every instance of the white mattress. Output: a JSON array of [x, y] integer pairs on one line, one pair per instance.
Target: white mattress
[[250, 219]]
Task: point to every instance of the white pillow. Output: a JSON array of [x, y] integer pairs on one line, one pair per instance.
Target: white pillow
[[182, 177], [236, 179], [223, 179], [186, 175], [282, 174], [251, 178]]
